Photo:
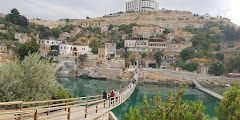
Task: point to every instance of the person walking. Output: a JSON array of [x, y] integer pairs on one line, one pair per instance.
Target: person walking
[[112, 96], [105, 95], [116, 95]]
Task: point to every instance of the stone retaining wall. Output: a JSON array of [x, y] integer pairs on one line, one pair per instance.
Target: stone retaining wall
[[161, 76]]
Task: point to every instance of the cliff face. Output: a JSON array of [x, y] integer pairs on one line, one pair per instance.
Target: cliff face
[[66, 68]]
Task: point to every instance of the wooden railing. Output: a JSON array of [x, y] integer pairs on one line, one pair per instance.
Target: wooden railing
[[71, 108], [46, 107]]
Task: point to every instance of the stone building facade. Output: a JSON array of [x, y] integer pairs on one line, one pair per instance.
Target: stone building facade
[[48, 45], [73, 50], [145, 44], [109, 51], [146, 32]]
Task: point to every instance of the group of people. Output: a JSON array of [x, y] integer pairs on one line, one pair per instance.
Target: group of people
[[112, 94]]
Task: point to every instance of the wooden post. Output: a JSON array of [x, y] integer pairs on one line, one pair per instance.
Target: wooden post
[[96, 107], [48, 106], [104, 103], [78, 100], [69, 113], [113, 100], [109, 101], [86, 108], [20, 107], [35, 115], [66, 105]]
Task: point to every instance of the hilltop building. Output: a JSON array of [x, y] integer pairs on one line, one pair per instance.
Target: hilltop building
[[142, 5]]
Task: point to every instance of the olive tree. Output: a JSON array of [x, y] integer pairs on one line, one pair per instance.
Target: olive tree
[[31, 79], [229, 107]]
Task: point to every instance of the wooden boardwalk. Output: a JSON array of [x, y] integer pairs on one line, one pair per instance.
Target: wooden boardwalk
[[199, 87], [89, 108]]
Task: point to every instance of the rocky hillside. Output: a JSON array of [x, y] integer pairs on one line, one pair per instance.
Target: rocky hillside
[[162, 18]]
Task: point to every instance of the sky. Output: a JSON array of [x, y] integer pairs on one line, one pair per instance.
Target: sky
[[78, 9]]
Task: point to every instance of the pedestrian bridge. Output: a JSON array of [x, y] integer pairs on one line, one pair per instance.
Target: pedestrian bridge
[[199, 87], [89, 108]]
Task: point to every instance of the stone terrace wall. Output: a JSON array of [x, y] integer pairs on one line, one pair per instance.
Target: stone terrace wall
[[163, 75]]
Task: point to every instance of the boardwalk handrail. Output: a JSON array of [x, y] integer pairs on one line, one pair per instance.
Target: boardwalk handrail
[[47, 106]]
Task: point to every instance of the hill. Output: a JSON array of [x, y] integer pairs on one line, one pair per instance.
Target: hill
[[162, 18]]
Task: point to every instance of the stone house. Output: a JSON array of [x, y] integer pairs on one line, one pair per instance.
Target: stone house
[[109, 51], [22, 37], [73, 50], [157, 44], [183, 34], [49, 45], [230, 53], [203, 69], [136, 44], [146, 32], [167, 61], [145, 44], [177, 47]]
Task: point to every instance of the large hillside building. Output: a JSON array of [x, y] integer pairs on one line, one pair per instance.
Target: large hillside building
[[142, 5]]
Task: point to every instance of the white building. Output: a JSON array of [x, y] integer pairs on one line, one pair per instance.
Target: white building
[[48, 45], [206, 16], [73, 50], [142, 5]]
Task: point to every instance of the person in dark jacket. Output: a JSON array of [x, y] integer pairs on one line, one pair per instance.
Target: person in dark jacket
[[105, 95]]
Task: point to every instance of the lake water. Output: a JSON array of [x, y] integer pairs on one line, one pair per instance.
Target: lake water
[[88, 87]]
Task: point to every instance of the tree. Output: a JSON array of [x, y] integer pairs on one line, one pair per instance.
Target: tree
[[174, 108], [192, 66], [166, 31], [32, 79], [28, 47], [94, 45], [67, 20], [229, 107], [218, 48], [217, 68], [87, 17], [233, 64], [220, 56], [188, 53], [82, 58], [15, 18], [110, 27], [143, 55], [133, 60], [158, 57], [126, 53]]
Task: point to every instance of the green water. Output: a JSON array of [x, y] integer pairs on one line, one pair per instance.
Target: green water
[[88, 87]]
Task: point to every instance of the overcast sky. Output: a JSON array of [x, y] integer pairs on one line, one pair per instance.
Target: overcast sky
[[58, 9]]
